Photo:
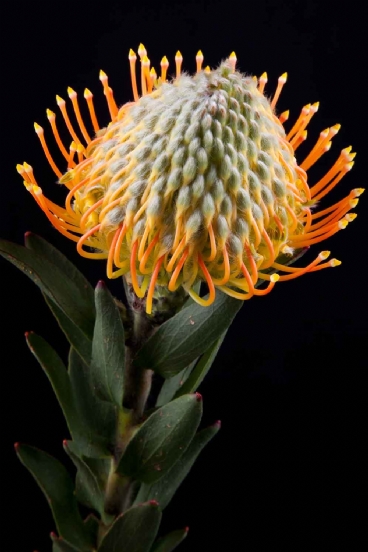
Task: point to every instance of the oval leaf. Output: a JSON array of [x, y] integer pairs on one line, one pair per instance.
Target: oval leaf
[[162, 439], [97, 418], [197, 375], [88, 491], [133, 531], [187, 335], [108, 348], [55, 282], [164, 489], [169, 542], [57, 374], [57, 486]]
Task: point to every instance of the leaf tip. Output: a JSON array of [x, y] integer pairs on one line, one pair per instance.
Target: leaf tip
[[53, 535], [218, 424], [27, 234], [16, 446], [186, 529], [65, 443], [153, 502], [198, 397], [101, 285]]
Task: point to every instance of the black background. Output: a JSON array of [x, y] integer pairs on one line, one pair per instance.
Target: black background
[[283, 473]]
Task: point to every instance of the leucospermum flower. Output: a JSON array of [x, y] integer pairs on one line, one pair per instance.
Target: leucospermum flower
[[196, 179]]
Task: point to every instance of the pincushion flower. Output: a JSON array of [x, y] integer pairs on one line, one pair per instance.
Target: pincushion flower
[[194, 180]]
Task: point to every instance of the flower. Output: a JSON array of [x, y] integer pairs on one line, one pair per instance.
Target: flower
[[195, 180]]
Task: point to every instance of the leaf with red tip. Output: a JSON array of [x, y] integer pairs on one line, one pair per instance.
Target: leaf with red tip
[[57, 278], [133, 531], [169, 542], [164, 489], [108, 348], [57, 486], [187, 335], [161, 440]]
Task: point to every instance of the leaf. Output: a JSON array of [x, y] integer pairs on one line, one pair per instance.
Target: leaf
[[202, 367], [57, 281], [60, 545], [171, 385], [164, 489], [57, 374], [133, 531], [187, 335], [88, 491], [57, 486], [162, 439], [98, 418], [169, 542], [108, 348], [77, 339], [92, 526]]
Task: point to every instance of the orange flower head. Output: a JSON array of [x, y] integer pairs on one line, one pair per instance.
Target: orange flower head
[[194, 180]]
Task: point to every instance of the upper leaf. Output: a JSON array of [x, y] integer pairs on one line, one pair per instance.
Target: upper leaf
[[169, 542], [200, 370], [55, 276], [187, 335], [133, 531], [164, 489], [108, 348], [162, 439], [58, 488]]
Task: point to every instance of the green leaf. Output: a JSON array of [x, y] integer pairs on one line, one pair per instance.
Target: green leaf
[[98, 418], [88, 491], [171, 385], [164, 489], [187, 335], [60, 545], [133, 531], [92, 526], [57, 486], [108, 348], [57, 374], [169, 542], [77, 339], [202, 367], [57, 281], [162, 439]]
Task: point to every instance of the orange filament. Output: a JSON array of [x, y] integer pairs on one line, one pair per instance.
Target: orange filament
[[83, 239], [273, 279], [336, 180], [61, 104], [91, 108], [252, 263], [280, 84], [133, 77], [226, 275], [212, 242], [52, 119], [164, 67], [142, 245], [172, 283], [295, 274], [176, 254], [303, 114], [293, 218], [284, 116], [278, 223], [199, 60], [270, 249], [152, 285], [72, 150], [335, 228], [337, 214], [119, 241], [133, 271], [146, 73], [113, 109], [142, 265], [37, 194], [73, 96], [336, 206], [89, 211], [211, 287], [109, 268], [178, 62], [40, 133], [262, 82]]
